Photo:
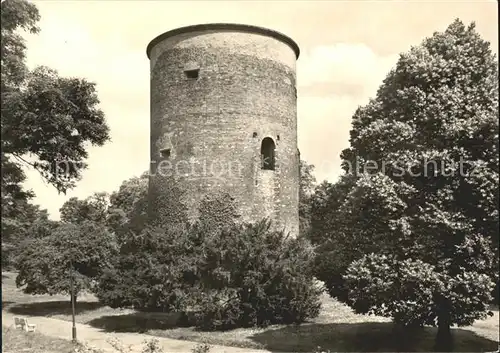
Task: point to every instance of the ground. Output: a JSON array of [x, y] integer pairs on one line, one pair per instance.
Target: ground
[[15, 341], [337, 328]]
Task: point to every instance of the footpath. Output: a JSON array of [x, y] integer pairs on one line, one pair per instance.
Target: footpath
[[97, 338]]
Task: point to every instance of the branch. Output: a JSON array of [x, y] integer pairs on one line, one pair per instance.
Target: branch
[[23, 160], [33, 165]]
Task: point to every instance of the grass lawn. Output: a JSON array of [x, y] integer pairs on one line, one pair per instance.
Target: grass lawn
[[18, 341], [337, 328]]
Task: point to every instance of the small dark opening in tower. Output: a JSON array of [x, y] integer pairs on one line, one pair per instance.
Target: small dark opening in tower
[[165, 153], [267, 154], [192, 74], [278, 137], [254, 134]]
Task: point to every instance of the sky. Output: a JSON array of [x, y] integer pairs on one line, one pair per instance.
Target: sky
[[347, 49]]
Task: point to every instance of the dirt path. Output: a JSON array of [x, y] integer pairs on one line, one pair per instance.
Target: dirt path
[[98, 338]]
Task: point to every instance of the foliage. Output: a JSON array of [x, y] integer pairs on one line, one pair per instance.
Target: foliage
[[201, 348], [428, 206], [94, 209], [229, 274], [217, 211], [306, 189], [28, 221], [149, 272], [127, 210], [149, 346], [253, 276], [45, 264], [408, 290], [47, 121], [152, 346], [84, 347]]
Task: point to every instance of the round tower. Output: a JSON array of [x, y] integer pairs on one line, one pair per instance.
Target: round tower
[[224, 119]]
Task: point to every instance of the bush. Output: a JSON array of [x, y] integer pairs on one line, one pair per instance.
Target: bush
[[151, 273], [228, 275], [251, 275], [201, 348]]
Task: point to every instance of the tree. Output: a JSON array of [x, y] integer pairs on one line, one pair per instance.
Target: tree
[[46, 264], [47, 120], [127, 211], [418, 225], [306, 190], [94, 208]]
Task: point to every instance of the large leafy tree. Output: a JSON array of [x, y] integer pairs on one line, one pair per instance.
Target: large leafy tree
[[417, 219], [47, 120]]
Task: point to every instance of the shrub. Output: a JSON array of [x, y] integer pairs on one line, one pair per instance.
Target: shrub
[[251, 275], [84, 347], [151, 272], [201, 348], [149, 346], [227, 274]]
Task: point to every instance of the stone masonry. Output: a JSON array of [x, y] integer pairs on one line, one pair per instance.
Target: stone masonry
[[217, 91]]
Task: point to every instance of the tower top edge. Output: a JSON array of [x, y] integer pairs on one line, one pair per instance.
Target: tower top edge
[[235, 27]]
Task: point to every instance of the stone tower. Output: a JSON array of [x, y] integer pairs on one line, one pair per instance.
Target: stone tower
[[224, 119]]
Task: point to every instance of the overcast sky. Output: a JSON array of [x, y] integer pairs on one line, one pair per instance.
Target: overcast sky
[[347, 48]]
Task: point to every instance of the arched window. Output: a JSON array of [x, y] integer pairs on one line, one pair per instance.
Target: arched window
[[267, 153]]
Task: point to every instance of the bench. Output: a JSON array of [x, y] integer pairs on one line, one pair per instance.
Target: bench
[[23, 324]]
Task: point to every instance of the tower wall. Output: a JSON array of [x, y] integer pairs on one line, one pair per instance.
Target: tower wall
[[206, 132]]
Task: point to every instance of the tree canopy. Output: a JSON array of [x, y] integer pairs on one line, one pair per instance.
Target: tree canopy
[[417, 212], [47, 120], [81, 250], [47, 124]]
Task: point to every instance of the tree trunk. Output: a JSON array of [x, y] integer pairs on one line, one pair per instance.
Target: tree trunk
[[444, 339], [404, 336], [71, 300]]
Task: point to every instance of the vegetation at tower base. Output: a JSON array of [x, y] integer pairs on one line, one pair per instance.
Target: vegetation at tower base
[[415, 237], [228, 274], [253, 276], [44, 263], [217, 211], [167, 211], [306, 190], [47, 121], [93, 208], [127, 210]]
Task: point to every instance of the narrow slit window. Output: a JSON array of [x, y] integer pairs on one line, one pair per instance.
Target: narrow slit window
[[192, 70], [267, 154], [192, 74], [165, 153]]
